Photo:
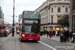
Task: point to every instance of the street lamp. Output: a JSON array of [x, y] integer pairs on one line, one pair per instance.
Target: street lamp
[[13, 17]]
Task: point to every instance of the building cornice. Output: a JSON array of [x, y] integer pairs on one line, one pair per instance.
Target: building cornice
[[59, 3], [43, 6], [48, 6]]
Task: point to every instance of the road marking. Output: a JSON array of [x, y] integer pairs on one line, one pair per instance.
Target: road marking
[[47, 45]]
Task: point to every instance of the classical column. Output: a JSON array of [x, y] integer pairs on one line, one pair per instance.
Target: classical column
[[54, 28], [48, 14], [70, 16]]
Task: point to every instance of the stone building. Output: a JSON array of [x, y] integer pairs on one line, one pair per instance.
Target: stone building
[[72, 15], [19, 17], [51, 12], [1, 17]]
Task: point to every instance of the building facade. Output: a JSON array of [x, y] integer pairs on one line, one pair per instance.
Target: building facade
[[72, 15], [1, 17], [51, 12], [19, 17]]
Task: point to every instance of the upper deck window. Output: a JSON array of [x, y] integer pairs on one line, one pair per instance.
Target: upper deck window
[[31, 15]]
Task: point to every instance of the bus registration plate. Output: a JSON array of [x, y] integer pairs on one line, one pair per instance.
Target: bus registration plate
[[30, 39]]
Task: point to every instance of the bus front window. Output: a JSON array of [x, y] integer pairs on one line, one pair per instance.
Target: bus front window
[[30, 29]]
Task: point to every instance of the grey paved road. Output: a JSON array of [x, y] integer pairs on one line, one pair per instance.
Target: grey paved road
[[57, 45], [13, 43], [2, 39]]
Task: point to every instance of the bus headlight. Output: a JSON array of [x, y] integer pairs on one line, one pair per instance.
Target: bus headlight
[[38, 35], [23, 35]]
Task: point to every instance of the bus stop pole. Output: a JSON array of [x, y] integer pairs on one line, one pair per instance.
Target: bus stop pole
[[13, 17]]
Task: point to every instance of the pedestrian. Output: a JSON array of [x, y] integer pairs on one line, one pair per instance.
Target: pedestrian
[[63, 32], [41, 32], [66, 34], [47, 33], [59, 32], [51, 33], [73, 39], [44, 31], [56, 32], [17, 31], [71, 33]]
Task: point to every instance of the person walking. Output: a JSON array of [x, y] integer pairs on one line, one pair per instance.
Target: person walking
[[51, 33], [56, 32], [59, 32], [44, 31], [63, 32], [67, 35], [47, 33], [41, 32], [17, 31], [73, 35]]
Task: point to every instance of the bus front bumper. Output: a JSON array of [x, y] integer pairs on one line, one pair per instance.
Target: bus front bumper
[[30, 38]]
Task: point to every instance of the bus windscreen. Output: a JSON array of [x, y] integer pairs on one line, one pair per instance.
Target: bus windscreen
[[31, 29]]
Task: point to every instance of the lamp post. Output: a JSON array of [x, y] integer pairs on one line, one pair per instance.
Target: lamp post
[[13, 17]]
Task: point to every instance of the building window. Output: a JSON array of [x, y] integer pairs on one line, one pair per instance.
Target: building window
[[0, 12], [73, 22], [68, 0], [59, 0], [58, 18], [64, 0], [66, 10], [73, 6], [0, 16], [51, 10], [52, 0], [59, 9], [51, 19]]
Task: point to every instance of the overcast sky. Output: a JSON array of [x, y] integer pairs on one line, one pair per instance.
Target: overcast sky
[[20, 5]]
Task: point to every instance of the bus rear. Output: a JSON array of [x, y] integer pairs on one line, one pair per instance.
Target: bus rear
[[2, 31], [30, 26]]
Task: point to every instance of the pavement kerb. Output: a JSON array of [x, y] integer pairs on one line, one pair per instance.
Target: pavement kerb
[[58, 41]]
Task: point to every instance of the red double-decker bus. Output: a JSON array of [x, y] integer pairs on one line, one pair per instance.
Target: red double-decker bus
[[2, 31], [30, 26]]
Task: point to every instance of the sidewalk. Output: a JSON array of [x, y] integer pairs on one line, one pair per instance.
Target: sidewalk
[[10, 43], [16, 41], [57, 39]]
